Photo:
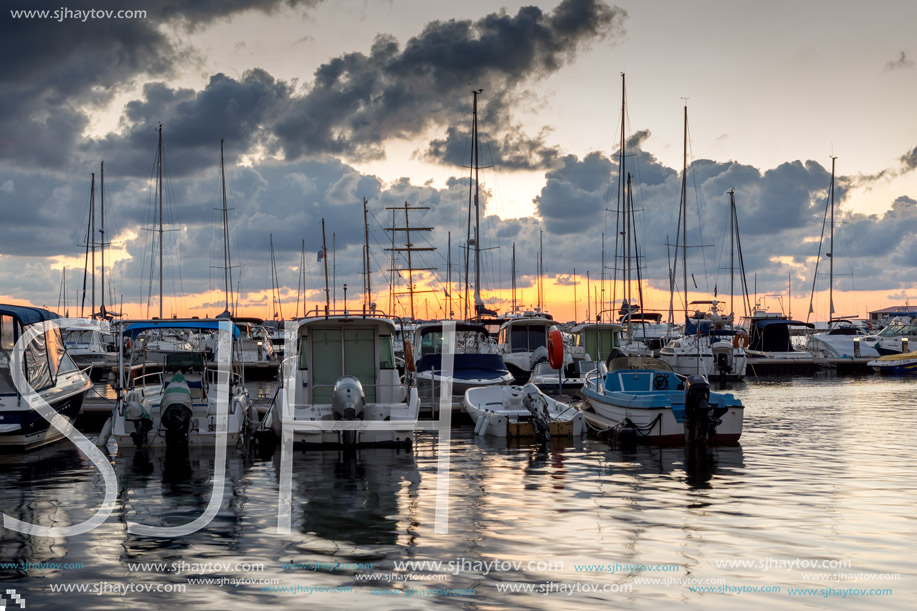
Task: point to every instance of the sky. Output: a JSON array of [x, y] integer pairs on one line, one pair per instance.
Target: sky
[[322, 104]]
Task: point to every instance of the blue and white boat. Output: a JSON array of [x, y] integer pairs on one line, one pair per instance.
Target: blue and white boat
[[176, 406], [49, 371], [477, 360], [643, 398], [900, 364]]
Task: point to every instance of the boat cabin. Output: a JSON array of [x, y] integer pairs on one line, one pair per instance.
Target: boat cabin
[[334, 346]]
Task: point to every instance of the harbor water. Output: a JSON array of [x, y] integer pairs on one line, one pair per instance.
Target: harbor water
[[814, 509]]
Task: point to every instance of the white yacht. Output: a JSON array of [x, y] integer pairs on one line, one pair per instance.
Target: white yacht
[[178, 406], [711, 346], [90, 342], [340, 386], [58, 383]]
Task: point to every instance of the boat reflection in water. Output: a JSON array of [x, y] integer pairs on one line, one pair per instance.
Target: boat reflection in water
[[360, 497]]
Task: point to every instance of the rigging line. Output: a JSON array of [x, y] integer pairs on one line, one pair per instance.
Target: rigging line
[[700, 217], [818, 256]]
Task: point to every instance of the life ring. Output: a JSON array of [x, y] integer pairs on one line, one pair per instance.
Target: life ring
[[409, 356], [740, 339], [555, 349]]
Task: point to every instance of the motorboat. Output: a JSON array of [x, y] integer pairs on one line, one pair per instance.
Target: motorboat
[[771, 337], [90, 343], [179, 406], [340, 386], [567, 379], [711, 346], [897, 337], [31, 340], [594, 341], [523, 343], [842, 340], [643, 399], [476, 360], [521, 411], [895, 363]]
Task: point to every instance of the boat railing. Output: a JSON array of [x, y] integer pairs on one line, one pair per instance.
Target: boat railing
[[328, 389]]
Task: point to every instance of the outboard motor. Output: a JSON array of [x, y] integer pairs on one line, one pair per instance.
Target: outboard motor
[[175, 412], [700, 424], [723, 357], [348, 402], [143, 423], [537, 405], [540, 354]]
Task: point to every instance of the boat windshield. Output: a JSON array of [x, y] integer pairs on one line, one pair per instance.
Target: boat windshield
[[897, 330], [543, 368], [638, 362], [79, 336], [584, 367]]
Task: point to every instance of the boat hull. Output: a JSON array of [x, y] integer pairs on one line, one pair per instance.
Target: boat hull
[[497, 416], [653, 418], [23, 429]]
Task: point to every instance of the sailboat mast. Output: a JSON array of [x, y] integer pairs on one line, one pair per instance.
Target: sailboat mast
[[620, 201], [227, 258], [684, 215], [831, 253], [367, 287], [159, 184], [732, 234], [325, 259], [477, 211], [102, 235], [449, 273], [513, 273], [92, 240]]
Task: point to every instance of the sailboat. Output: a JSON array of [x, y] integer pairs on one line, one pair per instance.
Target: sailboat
[[180, 404], [477, 360], [90, 341], [711, 344], [842, 339]]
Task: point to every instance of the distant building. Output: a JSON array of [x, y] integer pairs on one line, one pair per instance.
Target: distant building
[[886, 314]]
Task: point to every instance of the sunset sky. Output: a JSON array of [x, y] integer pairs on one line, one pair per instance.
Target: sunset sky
[[322, 104]]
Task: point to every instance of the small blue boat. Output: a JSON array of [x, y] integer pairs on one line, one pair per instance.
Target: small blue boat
[[643, 397]]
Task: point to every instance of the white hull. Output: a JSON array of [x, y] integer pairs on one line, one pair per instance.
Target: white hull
[[495, 411]]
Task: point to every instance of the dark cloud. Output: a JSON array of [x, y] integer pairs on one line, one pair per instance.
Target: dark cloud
[[194, 123], [358, 101], [899, 63], [57, 70], [514, 151]]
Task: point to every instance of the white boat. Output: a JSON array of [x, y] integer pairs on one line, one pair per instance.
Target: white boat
[[523, 342], [843, 340], [568, 379], [900, 335], [341, 387], [711, 346], [476, 361], [90, 343], [521, 411], [49, 370], [177, 407], [645, 400]]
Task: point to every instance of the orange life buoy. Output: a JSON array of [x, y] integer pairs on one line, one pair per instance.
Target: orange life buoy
[[555, 349], [740, 339], [409, 356]]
